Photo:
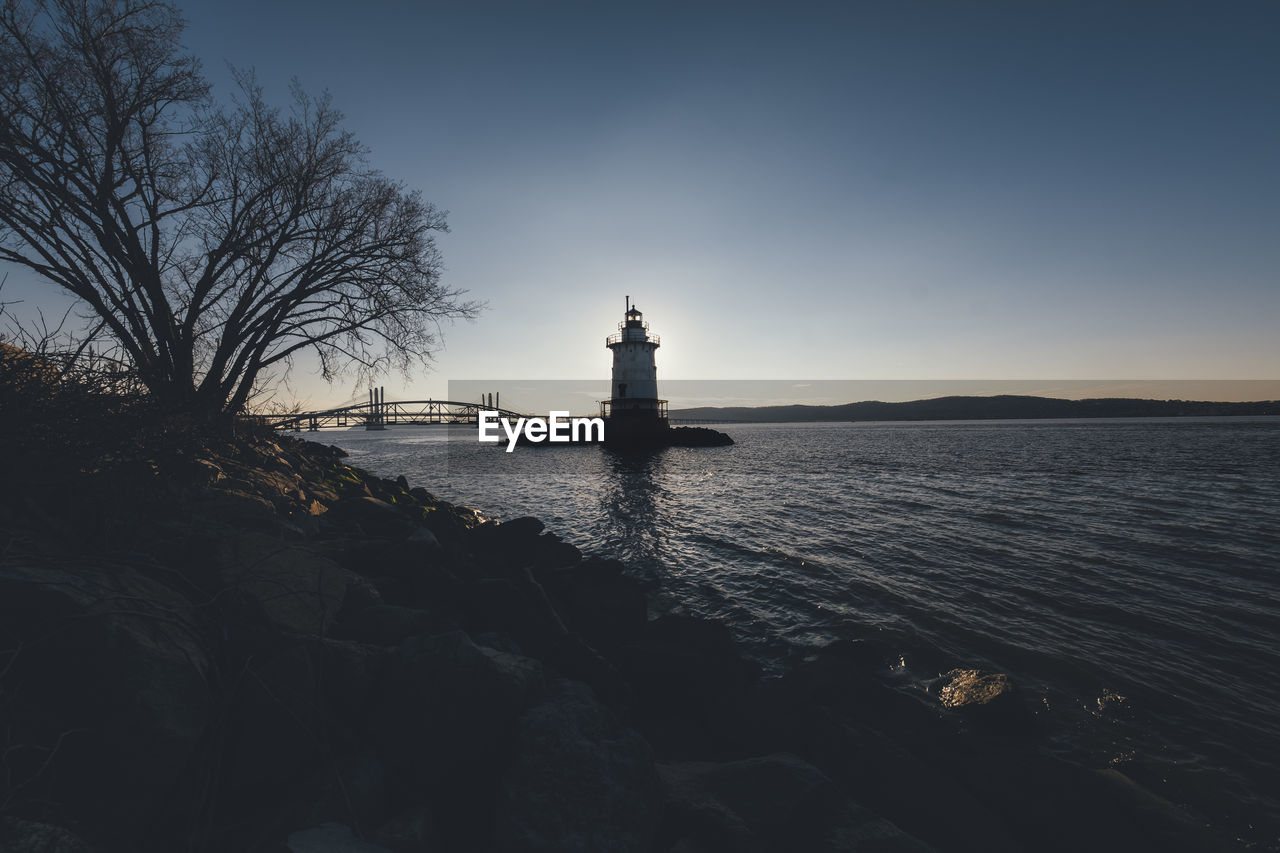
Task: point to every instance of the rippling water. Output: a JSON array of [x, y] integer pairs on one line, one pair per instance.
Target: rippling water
[[1125, 571]]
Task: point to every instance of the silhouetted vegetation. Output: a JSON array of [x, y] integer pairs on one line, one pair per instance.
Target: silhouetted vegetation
[[211, 242]]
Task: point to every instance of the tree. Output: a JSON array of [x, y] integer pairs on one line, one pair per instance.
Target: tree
[[213, 242]]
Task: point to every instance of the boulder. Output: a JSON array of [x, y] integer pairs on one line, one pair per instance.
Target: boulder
[[988, 700], [300, 590], [690, 680], [911, 787], [25, 836], [414, 831], [517, 606], [330, 838], [407, 571], [447, 707], [772, 802], [580, 781], [389, 624], [598, 600], [105, 687], [369, 516], [518, 543], [272, 730]]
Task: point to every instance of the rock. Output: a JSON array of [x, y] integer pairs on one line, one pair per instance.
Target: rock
[[910, 787], [550, 550], [299, 589], [447, 707], [988, 700], [349, 673], [242, 509], [418, 571], [389, 624], [517, 606], [426, 537], [108, 686], [599, 601], [580, 781], [355, 789], [773, 802], [572, 657], [368, 516], [524, 527], [411, 832], [690, 680], [25, 836], [273, 728], [622, 440], [330, 838], [517, 544]]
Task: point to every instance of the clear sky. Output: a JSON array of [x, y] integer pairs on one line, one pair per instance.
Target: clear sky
[[1050, 189]]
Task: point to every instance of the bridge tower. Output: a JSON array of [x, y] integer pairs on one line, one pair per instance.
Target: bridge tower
[[633, 406]]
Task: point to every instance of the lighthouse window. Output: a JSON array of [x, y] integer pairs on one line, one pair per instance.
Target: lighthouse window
[[622, 389]]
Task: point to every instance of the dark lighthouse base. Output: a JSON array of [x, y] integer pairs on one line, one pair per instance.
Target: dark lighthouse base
[[626, 433]]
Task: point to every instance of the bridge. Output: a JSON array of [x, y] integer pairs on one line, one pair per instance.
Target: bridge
[[381, 414]]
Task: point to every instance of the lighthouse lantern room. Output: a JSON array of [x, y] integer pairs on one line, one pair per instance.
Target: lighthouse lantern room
[[634, 405]]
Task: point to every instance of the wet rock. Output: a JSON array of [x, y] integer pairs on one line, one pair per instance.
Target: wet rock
[[988, 700], [580, 781], [504, 535], [551, 550]]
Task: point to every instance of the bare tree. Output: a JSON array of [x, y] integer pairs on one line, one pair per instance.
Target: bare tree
[[213, 242]]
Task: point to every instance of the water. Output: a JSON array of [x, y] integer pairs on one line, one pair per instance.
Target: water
[[1125, 572]]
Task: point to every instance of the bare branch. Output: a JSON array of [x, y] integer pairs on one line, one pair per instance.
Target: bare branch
[[213, 243]]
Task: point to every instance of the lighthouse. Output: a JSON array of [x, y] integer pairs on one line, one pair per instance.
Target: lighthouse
[[633, 408]]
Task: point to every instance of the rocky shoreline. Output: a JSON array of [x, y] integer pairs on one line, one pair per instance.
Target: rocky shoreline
[[247, 645]]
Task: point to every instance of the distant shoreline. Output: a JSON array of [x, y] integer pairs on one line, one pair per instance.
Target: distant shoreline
[[1000, 407]]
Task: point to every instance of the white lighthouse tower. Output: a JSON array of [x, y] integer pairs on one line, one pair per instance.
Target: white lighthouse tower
[[634, 407]]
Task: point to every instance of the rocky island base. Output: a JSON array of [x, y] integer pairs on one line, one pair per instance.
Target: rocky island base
[[667, 437]]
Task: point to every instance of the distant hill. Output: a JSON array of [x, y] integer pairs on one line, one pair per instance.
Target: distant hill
[[1004, 406]]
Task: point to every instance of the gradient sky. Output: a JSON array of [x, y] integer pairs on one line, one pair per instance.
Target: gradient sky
[[890, 190]]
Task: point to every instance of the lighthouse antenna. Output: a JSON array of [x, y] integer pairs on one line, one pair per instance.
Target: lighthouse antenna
[[628, 302]]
